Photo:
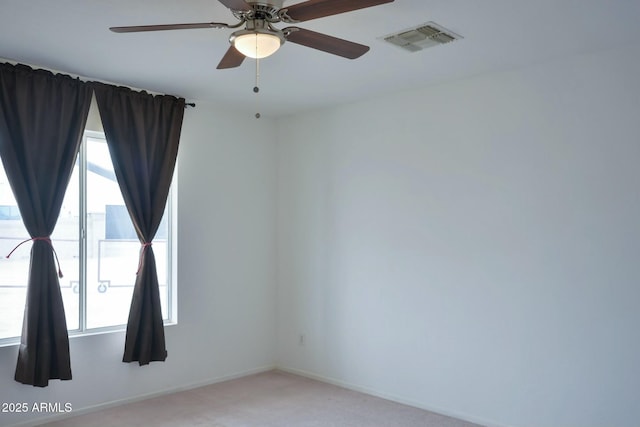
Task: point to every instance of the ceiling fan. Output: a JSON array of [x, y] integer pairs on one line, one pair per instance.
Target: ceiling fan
[[259, 38]]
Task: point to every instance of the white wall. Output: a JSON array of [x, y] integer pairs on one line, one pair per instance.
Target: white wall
[[473, 247], [469, 248], [226, 309]]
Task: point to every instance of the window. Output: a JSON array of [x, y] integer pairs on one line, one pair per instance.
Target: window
[[95, 243]]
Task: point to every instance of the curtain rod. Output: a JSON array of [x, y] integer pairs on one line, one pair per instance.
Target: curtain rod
[[84, 78]]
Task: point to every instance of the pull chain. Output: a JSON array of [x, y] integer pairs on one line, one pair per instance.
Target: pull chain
[[256, 89]]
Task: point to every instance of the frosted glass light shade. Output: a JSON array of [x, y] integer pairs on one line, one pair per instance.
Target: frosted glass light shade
[[256, 44]]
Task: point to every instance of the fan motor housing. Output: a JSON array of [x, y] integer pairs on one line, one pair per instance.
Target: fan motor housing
[[263, 10], [277, 4]]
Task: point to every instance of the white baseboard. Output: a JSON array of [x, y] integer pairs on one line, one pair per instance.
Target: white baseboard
[[386, 396], [294, 371], [114, 403]]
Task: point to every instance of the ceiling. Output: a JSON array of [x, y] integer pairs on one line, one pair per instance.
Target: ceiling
[[72, 36]]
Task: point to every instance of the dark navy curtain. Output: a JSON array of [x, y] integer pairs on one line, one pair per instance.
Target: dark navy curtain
[[142, 132], [42, 119]]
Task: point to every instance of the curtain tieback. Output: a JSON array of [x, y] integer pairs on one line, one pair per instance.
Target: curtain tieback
[[45, 239], [143, 248]]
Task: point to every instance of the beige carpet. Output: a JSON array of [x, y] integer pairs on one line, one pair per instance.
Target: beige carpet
[[270, 399]]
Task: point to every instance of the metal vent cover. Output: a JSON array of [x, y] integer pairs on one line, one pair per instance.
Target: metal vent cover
[[421, 37]]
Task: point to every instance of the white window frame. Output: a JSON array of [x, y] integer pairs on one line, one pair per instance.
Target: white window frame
[[172, 245]]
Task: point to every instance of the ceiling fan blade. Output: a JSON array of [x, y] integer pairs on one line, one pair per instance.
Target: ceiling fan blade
[[325, 43], [312, 9], [231, 59], [140, 28], [236, 5]]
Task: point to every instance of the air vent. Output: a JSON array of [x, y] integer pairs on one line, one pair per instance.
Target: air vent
[[421, 37]]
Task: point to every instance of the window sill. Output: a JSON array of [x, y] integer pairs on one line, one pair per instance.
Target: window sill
[[15, 341]]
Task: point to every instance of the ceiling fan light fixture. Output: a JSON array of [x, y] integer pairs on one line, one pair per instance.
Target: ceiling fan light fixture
[[256, 43]]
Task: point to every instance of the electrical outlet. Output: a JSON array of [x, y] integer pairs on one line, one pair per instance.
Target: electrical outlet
[[301, 339]]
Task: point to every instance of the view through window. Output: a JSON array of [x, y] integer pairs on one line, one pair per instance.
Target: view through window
[[99, 268]]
